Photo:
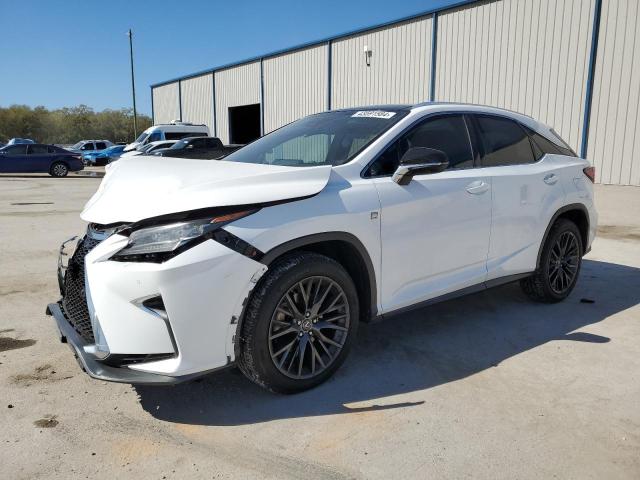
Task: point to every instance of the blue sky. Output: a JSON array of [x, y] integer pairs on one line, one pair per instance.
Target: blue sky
[[64, 53]]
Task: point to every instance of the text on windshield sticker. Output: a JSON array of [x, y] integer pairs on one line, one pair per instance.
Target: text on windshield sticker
[[373, 114]]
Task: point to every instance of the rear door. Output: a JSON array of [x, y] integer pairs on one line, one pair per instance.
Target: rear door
[[38, 158], [525, 188], [13, 159], [434, 230]]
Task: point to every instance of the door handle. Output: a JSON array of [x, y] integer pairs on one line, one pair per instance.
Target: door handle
[[550, 179], [477, 187]]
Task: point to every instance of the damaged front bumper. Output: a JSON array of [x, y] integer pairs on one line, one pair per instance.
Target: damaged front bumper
[[151, 323], [96, 369]]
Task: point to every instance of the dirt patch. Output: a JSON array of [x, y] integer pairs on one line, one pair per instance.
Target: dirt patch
[[43, 373], [619, 232], [48, 421], [8, 343]]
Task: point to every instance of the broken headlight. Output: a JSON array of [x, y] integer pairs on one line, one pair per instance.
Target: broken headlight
[[159, 243]]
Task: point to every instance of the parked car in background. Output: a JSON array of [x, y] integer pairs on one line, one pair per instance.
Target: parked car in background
[[171, 131], [18, 141], [38, 158], [148, 148], [205, 148], [103, 157], [271, 257], [90, 146]]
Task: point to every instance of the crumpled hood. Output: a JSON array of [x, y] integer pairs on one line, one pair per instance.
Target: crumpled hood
[[140, 187]]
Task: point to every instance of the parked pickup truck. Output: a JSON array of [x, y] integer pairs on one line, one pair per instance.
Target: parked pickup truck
[[205, 148]]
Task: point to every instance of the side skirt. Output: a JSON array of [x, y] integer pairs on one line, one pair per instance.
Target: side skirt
[[450, 296]]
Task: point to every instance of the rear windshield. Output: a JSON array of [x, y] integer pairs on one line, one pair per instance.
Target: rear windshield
[[331, 138]]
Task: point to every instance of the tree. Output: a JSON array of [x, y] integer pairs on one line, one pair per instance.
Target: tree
[[69, 124]]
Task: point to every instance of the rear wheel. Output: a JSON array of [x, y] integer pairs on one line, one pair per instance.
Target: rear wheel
[[59, 169], [559, 267], [299, 324]]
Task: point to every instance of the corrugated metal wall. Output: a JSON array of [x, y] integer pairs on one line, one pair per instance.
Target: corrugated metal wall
[[197, 100], [295, 85], [614, 144], [529, 56], [166, 106], [234, 87], [400, 66]]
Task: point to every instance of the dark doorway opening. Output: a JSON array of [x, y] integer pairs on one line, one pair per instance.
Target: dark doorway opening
[[244, 123]]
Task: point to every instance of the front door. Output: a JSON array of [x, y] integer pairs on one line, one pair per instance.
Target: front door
[[13, 159], [434, 230]]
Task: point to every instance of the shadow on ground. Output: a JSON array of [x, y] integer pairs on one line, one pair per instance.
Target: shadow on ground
[[411, 352]]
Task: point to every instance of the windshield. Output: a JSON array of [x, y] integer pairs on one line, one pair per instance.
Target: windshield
[[330, 138], [143, 136], [77, 146]]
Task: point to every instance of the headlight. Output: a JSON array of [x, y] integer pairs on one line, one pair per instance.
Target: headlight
[[159, 243]]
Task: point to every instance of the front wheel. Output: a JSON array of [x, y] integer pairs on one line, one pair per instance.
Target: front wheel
[[299, 324], [59, 169], [560, 262]]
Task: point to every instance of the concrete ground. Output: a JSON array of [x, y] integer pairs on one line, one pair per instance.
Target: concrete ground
[[488, 386]]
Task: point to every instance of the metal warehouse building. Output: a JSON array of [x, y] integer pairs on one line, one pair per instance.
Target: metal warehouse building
[[574, 64]]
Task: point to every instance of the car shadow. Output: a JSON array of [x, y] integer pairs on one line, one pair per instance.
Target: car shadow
[[411, 352]]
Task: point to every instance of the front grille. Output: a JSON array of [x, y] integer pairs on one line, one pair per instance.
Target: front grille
[[74, 301]]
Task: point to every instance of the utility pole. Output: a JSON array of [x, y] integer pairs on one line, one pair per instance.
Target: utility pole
[[133, 86]]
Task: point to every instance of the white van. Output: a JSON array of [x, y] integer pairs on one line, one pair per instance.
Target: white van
[[171, 131]]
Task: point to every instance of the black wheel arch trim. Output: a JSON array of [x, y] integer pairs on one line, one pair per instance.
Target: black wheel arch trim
[[567, 208], [349, 238]]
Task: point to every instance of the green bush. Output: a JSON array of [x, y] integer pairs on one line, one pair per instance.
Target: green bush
[[69, 125]]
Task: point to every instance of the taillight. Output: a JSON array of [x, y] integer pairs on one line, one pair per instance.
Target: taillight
[[590, 172]]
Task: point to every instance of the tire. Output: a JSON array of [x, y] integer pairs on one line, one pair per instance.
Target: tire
[[556, 275], [59, 169], [270, 323]]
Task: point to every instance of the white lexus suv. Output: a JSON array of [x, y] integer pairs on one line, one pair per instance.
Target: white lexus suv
[[270, 258]]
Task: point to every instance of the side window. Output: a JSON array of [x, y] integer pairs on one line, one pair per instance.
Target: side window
[[37, 149], [87, 146], [545, 145], [155, 137], [503, 142], [101, 146], [178, 135], [447, 134], [16, 150], [51, 149], [199, 143]]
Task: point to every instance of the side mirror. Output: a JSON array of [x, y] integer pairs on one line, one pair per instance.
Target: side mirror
[[417, 161]]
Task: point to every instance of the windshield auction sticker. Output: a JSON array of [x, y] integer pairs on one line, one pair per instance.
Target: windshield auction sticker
[[373, 114]]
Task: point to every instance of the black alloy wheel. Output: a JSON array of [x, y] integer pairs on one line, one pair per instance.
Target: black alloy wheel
[[309, 327]]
